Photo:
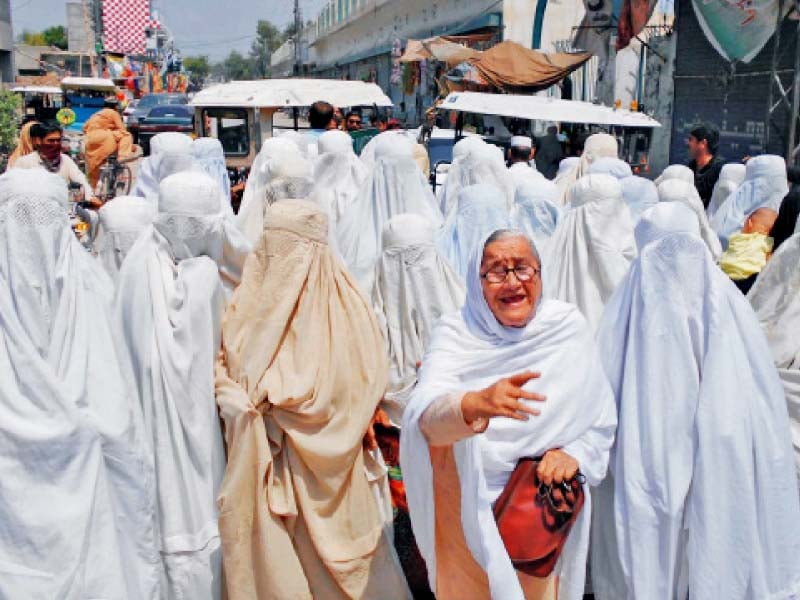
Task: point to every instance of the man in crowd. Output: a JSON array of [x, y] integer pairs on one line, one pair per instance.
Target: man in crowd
[[47, 138], [520, 150], [703, 142], [549, 153], [352, 122], [321, 117]]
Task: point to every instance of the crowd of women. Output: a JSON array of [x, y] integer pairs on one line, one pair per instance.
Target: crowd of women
[[324, 395]]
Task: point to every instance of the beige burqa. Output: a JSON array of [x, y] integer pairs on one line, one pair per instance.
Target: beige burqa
[[302, 370]]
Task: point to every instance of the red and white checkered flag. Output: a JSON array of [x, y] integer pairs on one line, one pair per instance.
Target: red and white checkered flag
[[124, 24]]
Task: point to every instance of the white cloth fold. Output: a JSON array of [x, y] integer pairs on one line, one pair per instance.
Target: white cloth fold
[[704, 498], [679, 172], [639, 194], [414, 287], [764, 186], [76, 487], [537, 211], [609, 165], [151, 172], [470, 350], [591, 247]]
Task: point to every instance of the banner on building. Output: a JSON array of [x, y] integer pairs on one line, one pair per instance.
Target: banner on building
[[738, 29], [632, 19], [594, 32], [124, 25]]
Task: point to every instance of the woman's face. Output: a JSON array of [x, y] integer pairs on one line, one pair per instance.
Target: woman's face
[[512, 302]]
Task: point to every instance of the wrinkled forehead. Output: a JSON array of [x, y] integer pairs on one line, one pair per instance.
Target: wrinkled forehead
[[513, 248]]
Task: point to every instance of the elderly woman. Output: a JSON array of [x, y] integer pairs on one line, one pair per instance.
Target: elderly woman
[[303, 369], [508, 377]]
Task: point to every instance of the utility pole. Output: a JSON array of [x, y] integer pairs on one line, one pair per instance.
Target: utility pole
[[98, 35], [298, 39], [791, 149]]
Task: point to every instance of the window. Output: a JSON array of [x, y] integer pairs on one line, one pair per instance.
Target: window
[[171, 110], [230, 127]]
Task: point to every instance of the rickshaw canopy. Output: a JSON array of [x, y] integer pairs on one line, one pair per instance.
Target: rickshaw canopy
[[291, 93], [544, 108]]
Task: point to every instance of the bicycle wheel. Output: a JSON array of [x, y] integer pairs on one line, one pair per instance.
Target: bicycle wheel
[[123, 181]]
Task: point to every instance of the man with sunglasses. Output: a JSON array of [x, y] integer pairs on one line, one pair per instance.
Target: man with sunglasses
[[48, 139], [352, 121]]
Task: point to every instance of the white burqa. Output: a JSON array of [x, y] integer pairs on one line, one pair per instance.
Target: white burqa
[[76, 487], [537, 210], [639, 194], [395, 186], [368, 154], [286, 176], [591, 247], [483, 164], [676, 190], [775, 297], [471, 350], [151, 172], [730, 178], [597, 146], [252, 205], [169, 307], [480, 209], [764, 186], [338, 175], [613, 166], [121, 221], [209, 157], [414, 286], [446, 194], [705, 502], [679, 172]]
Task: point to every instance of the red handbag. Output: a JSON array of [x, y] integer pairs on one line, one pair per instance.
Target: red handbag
[[534, 520]]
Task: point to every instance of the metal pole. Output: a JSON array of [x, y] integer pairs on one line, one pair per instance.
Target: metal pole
[[790, 157], [298, 25], [773, 72]]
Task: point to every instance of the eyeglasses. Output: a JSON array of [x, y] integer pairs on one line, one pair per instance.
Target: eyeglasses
[[523, 273]]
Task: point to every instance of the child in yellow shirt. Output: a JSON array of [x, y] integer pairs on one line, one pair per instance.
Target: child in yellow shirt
[[749, 250]]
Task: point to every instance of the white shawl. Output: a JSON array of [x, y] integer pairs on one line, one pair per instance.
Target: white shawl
[[169, 307], [121, 221], [470, 350], [764, 186], [705, 498], [76, 488], [395, 186], [480, 209], [591, 248], [414, 286], [679, 172], [150, 171], [613, 166]]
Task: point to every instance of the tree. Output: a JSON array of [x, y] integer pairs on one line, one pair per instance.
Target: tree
[[32, 38], [56, 36], [198, 66], [269, 39], [9, 120], [237, 66]]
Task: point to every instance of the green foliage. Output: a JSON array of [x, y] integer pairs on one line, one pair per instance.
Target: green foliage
[[56, 36], [9, 120], [269, 39], [237, 66], [52, 36], [198, 67]]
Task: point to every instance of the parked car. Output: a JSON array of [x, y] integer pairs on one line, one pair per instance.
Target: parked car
[[145, 104], [169, 117]]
